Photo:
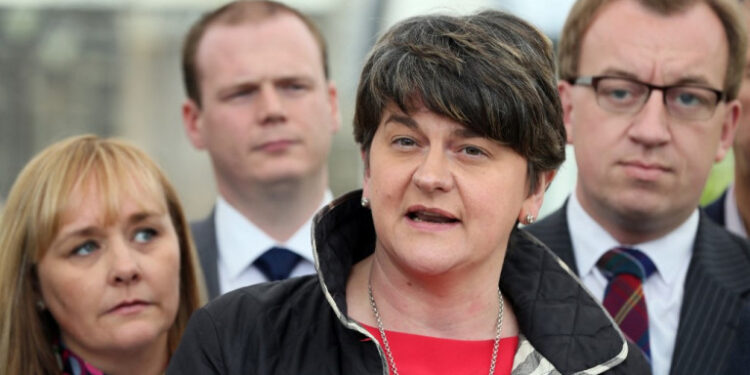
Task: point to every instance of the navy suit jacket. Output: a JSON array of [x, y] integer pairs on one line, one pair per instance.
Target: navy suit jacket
[[204, 235], [713, 336], [715, 209]]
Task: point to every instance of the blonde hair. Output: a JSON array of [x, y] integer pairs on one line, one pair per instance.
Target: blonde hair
[[31, 219]]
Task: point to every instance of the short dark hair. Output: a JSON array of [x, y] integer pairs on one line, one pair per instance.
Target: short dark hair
[[584, 12], [236, 13], [491, 71]]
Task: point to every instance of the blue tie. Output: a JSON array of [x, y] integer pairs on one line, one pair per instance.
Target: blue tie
[[277, 263]]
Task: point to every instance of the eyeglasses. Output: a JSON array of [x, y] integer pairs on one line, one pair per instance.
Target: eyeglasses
[[625, 95]]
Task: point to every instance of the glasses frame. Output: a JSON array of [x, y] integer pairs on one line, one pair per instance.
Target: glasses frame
[[593, 82]]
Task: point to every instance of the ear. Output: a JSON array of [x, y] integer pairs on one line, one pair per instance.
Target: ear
[[192, 119], [565, 90], [533, 202], [334, 103], [728, 128]]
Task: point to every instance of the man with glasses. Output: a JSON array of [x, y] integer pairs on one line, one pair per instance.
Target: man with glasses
[[683, 101], [649, 93]]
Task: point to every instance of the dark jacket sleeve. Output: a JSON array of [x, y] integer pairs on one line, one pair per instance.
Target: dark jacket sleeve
[[199, 351]]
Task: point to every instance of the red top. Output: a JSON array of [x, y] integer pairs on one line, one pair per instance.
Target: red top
[[425, 355]]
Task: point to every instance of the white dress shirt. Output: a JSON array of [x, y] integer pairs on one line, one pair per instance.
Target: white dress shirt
[[732, 219], [241, 243], [663, 290]]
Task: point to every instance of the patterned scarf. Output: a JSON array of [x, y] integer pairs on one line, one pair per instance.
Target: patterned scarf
[[71, 364]]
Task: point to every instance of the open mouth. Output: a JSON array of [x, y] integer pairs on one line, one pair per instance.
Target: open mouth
[[424, 216]]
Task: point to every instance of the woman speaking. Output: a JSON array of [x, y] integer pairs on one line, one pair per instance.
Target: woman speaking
[[425, 271]]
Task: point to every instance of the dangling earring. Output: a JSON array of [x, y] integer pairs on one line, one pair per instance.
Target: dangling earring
[[529, 219], [364, 202], [40, 305]]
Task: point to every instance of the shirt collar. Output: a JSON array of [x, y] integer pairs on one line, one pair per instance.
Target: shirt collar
[[732, 218], [670, 253], [241, 242]]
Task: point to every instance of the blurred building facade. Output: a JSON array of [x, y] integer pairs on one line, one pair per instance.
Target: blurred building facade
[[112, 68]]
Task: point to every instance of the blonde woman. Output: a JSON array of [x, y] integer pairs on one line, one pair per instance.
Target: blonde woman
[[98, 274]]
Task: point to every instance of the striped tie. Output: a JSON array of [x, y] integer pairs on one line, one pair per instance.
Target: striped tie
[[626, 269]]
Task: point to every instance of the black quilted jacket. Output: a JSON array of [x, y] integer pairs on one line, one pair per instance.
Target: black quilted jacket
[[300, 326]]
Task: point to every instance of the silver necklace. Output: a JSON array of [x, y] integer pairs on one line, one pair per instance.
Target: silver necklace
[[495, 345]]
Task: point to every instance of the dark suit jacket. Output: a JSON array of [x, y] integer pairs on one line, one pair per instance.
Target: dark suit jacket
[[715, 209], [204, 235], [713, 336]]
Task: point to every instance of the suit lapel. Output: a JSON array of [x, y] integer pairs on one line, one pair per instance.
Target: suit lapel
[[717, 277], [715, 210], [553, 231], [204, 235]]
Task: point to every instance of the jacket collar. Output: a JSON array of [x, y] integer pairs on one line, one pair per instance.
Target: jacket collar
[[555, 312]]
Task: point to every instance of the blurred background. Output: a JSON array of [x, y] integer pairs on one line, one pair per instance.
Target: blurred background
[[112, 68]]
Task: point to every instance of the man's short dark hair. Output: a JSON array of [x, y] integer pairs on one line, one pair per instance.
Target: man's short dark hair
[[237, 13], [584, 12]]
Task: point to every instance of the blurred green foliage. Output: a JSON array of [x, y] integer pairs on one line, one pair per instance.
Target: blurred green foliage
[[721, 175]]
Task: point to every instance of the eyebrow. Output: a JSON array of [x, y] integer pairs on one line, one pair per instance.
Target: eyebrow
[[231, 88], [294, 78], [463, 131], [93, 229], [403, 120], [686, 80], [62, 240], [692, 80], [619, 73], [142, 216], [466, 132], [255, 82], [82, 232]]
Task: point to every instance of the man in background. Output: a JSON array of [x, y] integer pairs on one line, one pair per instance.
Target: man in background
[[649, 92], [732, 209], [260, 101]]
